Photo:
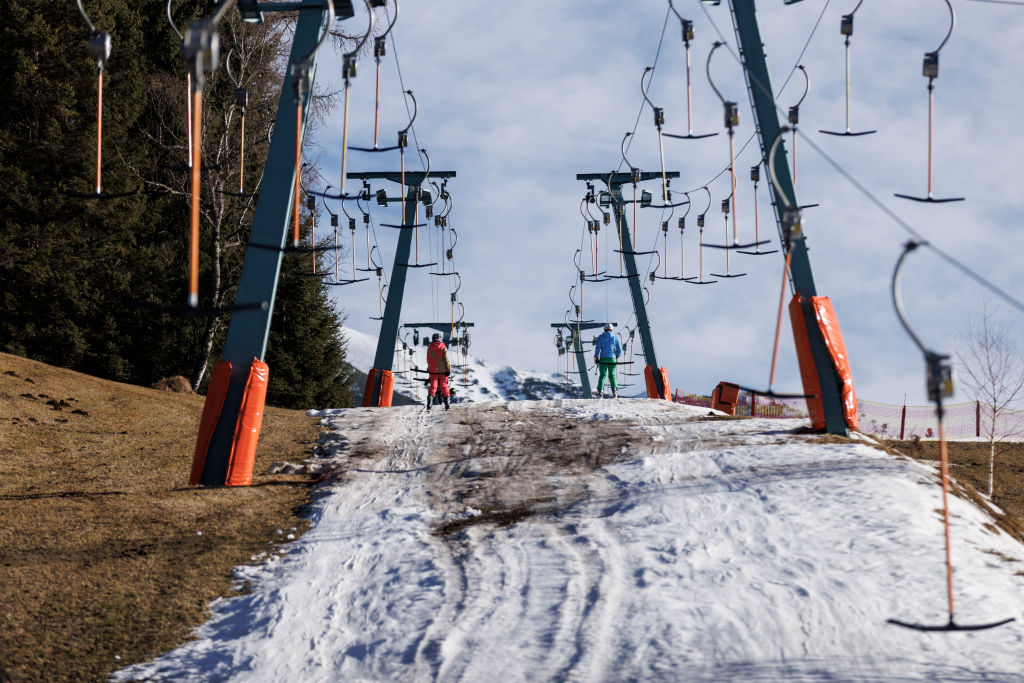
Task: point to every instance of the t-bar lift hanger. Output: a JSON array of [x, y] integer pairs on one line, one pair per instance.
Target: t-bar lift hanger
[[931, 72], [846, 29]]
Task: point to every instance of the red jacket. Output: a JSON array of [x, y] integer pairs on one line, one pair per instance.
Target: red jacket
[[437, 358]]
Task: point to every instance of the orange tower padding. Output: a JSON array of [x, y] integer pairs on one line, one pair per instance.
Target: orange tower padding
[[725, 396], [828, 323], [215, 396], [368, 392], [808, 372], [247, 430], [387, 388], [652, 388]]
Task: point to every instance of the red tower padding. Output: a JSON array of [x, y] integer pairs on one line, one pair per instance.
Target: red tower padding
[[215, 396], [724, 397], [828, 324], [368, 392], [387, 388], [652, 388], [247, 430]]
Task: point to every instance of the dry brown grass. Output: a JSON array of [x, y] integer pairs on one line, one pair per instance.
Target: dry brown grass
[[106, 556]]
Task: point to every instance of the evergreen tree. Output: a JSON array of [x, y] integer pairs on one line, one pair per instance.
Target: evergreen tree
[[92, 284]]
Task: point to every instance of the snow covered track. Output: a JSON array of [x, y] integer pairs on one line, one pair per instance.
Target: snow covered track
[[616, 540]]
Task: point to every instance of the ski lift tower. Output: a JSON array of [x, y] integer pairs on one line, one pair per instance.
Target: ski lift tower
[[377, 391], [232, 412], [657, 378], [817, 366]]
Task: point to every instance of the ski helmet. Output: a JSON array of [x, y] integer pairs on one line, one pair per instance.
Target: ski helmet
[[609, 327], [436, 337]]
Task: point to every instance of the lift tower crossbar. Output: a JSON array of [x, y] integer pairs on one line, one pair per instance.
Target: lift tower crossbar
[[384, 357], [447, 330]]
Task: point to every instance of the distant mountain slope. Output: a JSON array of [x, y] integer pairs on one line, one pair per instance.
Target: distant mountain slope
[[480, 380]]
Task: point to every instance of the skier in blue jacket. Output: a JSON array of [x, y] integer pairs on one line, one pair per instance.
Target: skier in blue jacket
[[607, 350]]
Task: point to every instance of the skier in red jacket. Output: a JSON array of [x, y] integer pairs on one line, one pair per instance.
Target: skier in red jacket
[[439, 369]]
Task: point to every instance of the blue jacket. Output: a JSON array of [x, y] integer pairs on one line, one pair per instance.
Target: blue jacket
[[607, 347]]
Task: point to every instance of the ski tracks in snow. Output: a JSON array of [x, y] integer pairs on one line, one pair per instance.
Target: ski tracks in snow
[[576, 540]]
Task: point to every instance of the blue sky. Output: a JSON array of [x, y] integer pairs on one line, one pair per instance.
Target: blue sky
[[520, 97]]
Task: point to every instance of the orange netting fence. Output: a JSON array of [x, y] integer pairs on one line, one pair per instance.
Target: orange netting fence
[[963, 420]]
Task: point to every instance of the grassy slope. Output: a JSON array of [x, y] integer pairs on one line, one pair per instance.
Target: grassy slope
[[106, 556]]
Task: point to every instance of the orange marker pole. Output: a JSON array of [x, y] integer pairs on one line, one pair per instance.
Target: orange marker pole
[[193, 251], [99, 131]]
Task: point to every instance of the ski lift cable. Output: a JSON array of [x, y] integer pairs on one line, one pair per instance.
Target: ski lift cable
[[401, 83], [949, 258], [241, 101], [794, 115], [348, 68], [791, 73], [188, 86], [891, 214], [807, 44], [657, 54]]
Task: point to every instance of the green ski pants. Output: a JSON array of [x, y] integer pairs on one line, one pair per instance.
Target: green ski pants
[[607, 367]]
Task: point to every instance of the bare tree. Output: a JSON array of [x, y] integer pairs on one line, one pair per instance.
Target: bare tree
[[993, 371], [259, 55]]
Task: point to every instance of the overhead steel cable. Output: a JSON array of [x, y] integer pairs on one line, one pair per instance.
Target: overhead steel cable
[[953, 261], [654, 66], [401, 82]]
